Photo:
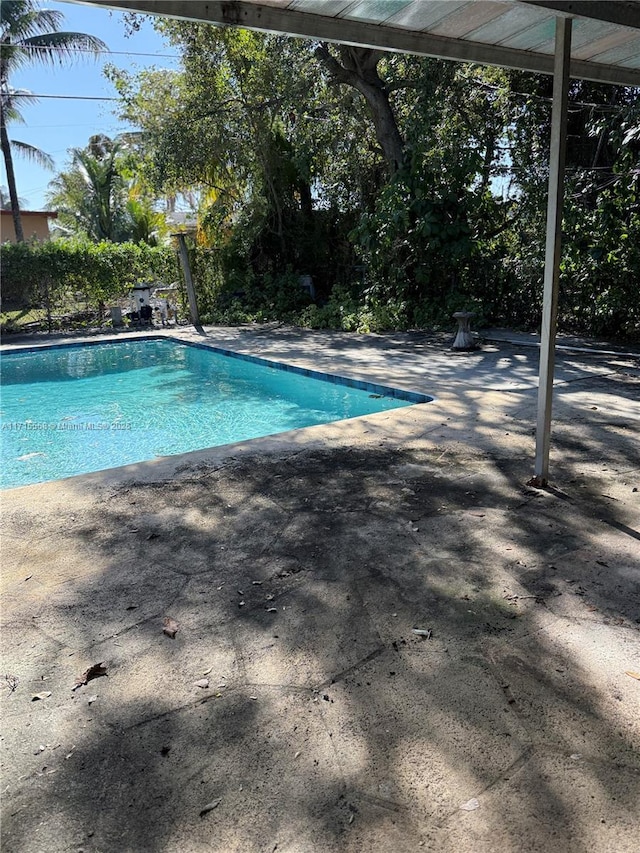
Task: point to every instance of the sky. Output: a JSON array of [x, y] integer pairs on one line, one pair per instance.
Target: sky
[[59, 123]]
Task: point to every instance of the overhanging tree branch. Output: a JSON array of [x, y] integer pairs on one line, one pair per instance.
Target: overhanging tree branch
[[358, 69]]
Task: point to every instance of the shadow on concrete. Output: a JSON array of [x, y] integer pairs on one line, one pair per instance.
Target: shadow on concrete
[[297, 579]]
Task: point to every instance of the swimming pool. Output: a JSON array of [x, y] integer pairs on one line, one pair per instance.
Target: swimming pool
[[77, 408]]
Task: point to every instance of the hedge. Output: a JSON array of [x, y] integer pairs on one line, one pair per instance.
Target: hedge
[[36, 274]]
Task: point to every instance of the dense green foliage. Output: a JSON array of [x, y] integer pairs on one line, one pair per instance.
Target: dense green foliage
[[407, 188], [99, 196], [53, 274]]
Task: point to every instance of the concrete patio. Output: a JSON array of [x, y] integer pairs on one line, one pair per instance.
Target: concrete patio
[[297, 568]]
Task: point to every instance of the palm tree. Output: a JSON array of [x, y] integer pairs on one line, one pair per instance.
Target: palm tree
[[29, 34], [101, 195], [5, 200], [92, 193], [11, 101]]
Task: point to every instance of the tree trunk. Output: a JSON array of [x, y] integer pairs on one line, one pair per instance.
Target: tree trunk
[[11, 178], [487, 161], [306, 199], [358, 68]]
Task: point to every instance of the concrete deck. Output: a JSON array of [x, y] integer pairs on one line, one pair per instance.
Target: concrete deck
[[297, 567]]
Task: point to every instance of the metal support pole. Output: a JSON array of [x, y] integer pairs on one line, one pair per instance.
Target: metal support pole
[[553, 247], [188, 280]]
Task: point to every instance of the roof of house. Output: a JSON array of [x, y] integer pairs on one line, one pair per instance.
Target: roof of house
[[50, 214]]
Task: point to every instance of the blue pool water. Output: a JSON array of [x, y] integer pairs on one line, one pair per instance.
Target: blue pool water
[[74, 409]]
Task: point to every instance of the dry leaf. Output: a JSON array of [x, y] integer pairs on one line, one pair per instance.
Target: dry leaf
[[44, 695], [170, 627], [203, 683], [92, 699], [633, 674], [210, 807], [12, 682], [470, 805], [95, 671], [207, 671]]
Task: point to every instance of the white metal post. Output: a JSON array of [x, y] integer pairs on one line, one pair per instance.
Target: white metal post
[[553, 247]]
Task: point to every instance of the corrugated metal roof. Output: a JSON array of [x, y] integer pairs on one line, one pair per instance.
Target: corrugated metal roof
[[509, 33]]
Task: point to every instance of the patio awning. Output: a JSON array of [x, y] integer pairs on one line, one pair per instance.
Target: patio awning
[[510, 33], [596, 40]]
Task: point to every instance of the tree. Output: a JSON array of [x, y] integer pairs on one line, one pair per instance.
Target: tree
[[14, 98], [280, 158], [29, 34], [91, 194], [99, 196], [417, 185], [358, 67], [601, 243], [5, 200]]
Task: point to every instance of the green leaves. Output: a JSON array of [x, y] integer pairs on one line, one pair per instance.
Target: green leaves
[[293, 180], [102, 271]]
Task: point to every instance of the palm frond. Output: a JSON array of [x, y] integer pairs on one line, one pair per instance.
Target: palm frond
[[60, 47], [22, 19], [12, 115], [5, 199], [35, 155], [13, 98]]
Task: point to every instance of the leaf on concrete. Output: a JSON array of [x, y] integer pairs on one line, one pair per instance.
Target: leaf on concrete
[[633, 674], [470, 805], [202, 683], [44, 695], [170, 627], [12, 682], [95, 671], [210, 807]]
